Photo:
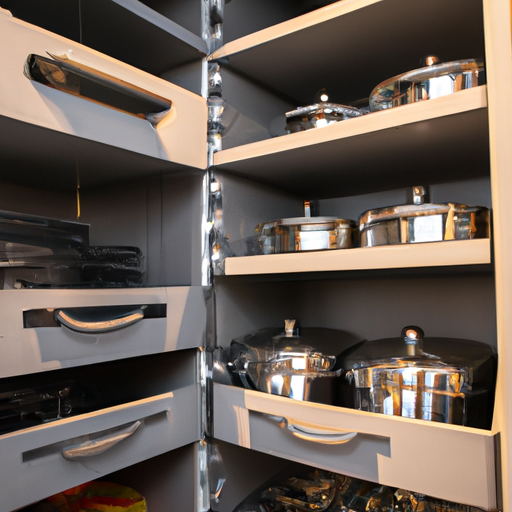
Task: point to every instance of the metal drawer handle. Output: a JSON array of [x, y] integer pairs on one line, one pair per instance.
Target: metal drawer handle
[[100, 445], [314, 434], [61, 73], [98, 320]]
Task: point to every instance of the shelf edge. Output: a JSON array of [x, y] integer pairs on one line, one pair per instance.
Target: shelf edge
[[432, 254]]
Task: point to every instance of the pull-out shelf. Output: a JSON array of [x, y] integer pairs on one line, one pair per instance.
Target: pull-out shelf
[[43, 460], [417, 455], [31, 341], [176, 141]]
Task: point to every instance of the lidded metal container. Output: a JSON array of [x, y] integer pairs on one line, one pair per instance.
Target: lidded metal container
[[308, 233], [436, 379], [321, 113], [299, 364], [423, 222], [318, 115], [433, 80], [298, 234]]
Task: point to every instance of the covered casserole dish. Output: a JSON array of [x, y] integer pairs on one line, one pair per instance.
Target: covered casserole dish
[[299, 364], [297, 234], [433, 80], [423, 222], [447, 380]]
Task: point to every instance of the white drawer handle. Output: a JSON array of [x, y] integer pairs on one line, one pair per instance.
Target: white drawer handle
[[312, 433], [100, 445], [84, 321]]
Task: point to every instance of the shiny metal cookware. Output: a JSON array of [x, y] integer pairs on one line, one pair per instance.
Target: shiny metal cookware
[[437, 379], [299, 364], [318, 115], [423, 222], [433, 80], [306, 234]]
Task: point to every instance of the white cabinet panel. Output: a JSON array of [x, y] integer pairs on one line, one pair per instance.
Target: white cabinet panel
[[411, 454], [38, 462], [178, 138], [34, 349]]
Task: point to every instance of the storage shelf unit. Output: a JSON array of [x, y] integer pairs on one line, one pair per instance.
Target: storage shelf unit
[[349, 47], [449, 139]]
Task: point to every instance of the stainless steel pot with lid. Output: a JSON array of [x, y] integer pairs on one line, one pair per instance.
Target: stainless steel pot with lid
[[436, 379], [308, 233], [319, 114], [423, 222], [297, 363], [433, 80]]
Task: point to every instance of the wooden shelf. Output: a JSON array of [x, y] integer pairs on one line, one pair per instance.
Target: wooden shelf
[[358, 155], [433, 254]]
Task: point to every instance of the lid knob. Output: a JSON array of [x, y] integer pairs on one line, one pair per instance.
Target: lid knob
[[413, 337], [418, 195], [288, 327], [430, 60]]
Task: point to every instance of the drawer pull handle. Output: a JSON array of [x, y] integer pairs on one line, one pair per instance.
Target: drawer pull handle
[[98, 320], [312, 433], [64, 74], [100, 445]]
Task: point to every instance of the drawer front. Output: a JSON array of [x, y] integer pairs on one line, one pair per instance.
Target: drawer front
[[42, 461], [179, 137], [389, 450], [180, 324]]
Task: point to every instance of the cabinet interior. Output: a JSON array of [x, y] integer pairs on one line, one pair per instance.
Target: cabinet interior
[[132, 199], [161, 215]]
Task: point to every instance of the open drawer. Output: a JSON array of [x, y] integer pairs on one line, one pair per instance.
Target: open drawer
[[400, 452], [50, 329], [105, 100], [41, 461]]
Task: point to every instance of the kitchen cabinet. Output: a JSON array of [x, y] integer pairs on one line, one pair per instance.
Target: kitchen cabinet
[[151, 187]]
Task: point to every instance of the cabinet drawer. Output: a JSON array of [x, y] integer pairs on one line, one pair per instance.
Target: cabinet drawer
[[180, 323], [179, 137], [44, 460], [395, 451]]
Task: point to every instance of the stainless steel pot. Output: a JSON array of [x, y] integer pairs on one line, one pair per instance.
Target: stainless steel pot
[[433, 80], [297, 364], [423, 222], [318, 115], [437, 379], [306, 234]]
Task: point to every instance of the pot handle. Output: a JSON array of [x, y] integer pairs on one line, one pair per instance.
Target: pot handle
[[100, 445], [83, 320], [313, 433]]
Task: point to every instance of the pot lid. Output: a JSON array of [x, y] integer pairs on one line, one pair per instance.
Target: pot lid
[[324, 108], [275, 344], [433, 69], [306, 224], [413, 349]]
